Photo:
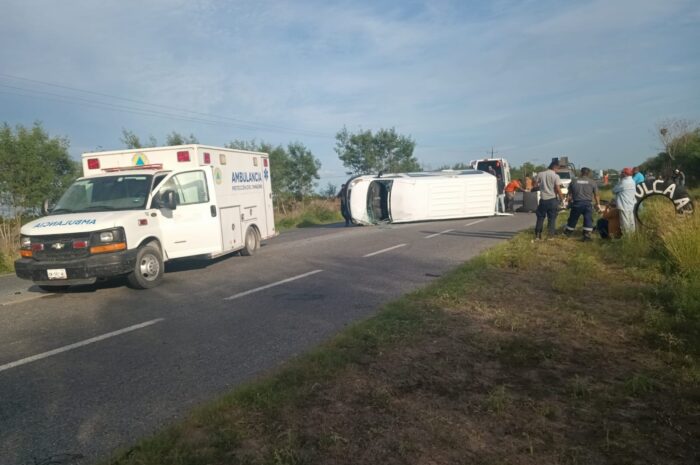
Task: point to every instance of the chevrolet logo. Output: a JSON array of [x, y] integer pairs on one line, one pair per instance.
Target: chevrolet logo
[[58, 245]]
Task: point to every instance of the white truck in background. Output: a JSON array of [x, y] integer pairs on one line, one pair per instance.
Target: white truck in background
[[133, 210]]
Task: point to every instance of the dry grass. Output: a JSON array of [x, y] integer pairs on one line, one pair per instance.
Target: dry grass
[[529, 354]]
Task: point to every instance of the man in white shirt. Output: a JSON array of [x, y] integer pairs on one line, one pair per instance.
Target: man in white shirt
[[549, 185]]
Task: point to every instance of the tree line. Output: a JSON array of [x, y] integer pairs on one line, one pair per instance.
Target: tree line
[[681, 141], [35, 166]]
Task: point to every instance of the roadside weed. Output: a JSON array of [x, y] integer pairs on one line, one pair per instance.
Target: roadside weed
[[639, 384], [498, 399]]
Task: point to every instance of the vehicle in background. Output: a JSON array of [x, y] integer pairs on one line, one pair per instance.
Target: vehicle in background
[[409, 197], [567, 173], [500, 167], [133, 210]]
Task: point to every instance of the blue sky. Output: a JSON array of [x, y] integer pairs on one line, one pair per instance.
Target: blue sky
[[533, 79]]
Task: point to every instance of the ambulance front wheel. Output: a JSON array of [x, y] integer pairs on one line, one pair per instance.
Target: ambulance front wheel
[[252, 242], [148, 269]]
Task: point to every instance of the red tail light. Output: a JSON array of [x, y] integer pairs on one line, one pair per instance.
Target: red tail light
[[80, 244], [207, 158], [183, 156], [93, 163]]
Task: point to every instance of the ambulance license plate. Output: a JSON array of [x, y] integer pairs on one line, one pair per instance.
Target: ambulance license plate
[[59, 273]]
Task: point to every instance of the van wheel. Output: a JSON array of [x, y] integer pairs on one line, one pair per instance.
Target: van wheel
[[53, 289], [148, 269], [252, 242]]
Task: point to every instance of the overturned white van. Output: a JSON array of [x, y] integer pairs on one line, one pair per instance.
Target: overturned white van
[[135, 209], [408, 197]]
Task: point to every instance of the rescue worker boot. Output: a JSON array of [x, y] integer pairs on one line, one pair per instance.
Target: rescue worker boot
[[587, 236]]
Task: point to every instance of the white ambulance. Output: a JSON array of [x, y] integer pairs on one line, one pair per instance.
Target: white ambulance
[[133, 210]]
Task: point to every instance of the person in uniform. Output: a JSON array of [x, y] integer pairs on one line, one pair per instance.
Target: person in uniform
[[583, 192]]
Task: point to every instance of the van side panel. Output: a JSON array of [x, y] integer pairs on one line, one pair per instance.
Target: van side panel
[[443, 197]]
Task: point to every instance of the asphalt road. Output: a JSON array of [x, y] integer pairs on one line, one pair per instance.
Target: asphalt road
[[94, 369]]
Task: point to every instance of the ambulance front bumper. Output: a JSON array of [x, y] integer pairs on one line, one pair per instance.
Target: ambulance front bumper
[[79, 271]]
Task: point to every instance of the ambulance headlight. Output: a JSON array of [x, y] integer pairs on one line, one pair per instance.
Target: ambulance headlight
[[25, 242], [107, 236]]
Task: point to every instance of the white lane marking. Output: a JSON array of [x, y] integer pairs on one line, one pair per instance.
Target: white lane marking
[[437, 234], [383, 250], [267, 286], [474, 222], [92, 340]]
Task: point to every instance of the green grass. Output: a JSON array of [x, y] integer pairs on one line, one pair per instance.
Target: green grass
[[312, 213], [577, 350]]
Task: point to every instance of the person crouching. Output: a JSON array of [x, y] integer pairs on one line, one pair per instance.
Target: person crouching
[[583, 192]]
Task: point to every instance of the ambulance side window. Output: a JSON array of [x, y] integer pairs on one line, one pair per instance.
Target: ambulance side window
[[190, 188], [156, 182]]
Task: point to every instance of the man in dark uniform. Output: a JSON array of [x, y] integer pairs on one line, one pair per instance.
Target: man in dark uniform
[[343, 196], [583, 192]]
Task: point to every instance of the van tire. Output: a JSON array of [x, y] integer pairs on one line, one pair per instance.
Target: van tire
[[53, 289], [251, 242], [148, 269]]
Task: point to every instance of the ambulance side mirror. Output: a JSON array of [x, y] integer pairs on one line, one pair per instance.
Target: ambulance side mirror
[[167, 200], [45, 207]]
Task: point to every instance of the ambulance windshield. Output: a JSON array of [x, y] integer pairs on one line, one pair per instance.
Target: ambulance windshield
[[105, 193]]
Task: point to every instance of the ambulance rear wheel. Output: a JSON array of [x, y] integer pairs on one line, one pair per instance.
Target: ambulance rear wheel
[[148, 269], [252, 242]]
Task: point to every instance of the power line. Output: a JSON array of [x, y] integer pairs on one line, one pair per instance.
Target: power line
[[237, 121], [108, 106]]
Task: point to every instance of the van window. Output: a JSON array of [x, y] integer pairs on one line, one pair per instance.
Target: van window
[[189, 188]]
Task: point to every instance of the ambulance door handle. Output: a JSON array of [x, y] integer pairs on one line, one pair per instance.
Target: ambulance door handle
[[212, 208]]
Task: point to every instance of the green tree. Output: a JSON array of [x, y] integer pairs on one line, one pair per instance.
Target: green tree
[[526, 169], [302, 170], [33, 167], [366, 152], [175, 138], [132, 141], [686, 157], [330, 191]]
